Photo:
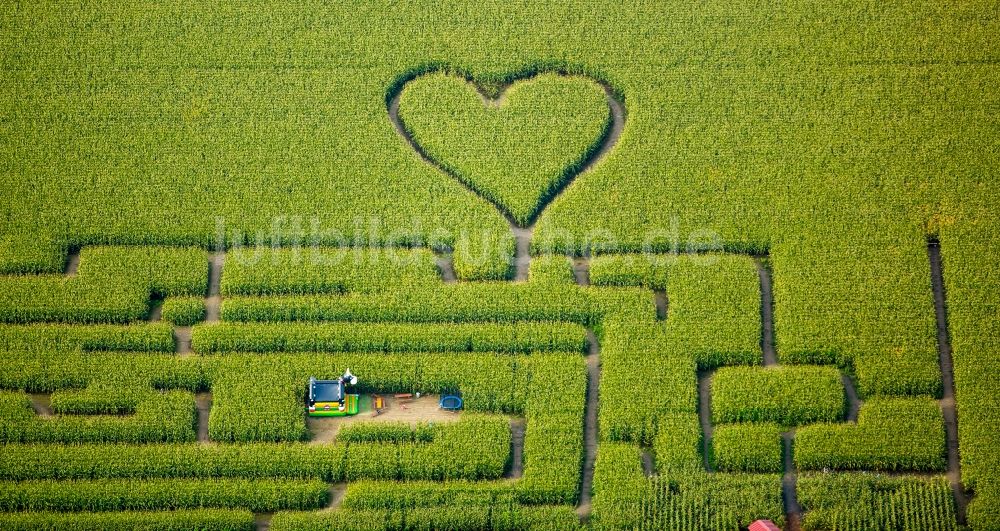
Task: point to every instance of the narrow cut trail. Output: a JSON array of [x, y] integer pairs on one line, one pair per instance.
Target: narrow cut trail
[[853, 401], [789, 496], [581, 271], [446, 265], [213, 303], [767, 344], [156, 310], [515, 469], [705, 416], [648, 462], [522, 233], [262, 521], [41, 404], [203, 403], [947, 402], [662, 303], [72, 262], [789, 479], [337, 492]]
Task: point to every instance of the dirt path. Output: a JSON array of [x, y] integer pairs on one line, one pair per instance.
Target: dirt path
[[156, 310], [853, 402], [203, 401], [446, 265], [522, 251], [182, 340], [337, 492], [766, 312], [262, 521], [948, 381], [581, 271], [648, 463], [516, 468], [213, 302], [522, 233], [662, 304], [40, 402], [590, 434], [72, 262], [789, 496], [411, 411], [705, 416]]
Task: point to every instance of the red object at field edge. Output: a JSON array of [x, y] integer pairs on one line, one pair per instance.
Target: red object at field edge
[[764, 525]]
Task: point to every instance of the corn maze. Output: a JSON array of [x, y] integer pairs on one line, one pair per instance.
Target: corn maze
[[683, 266]]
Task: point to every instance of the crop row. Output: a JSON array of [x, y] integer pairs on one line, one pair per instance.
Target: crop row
[[158, 417], [625, 499], [142, 337], [475, 447], [274, 271], [872, 502], [649, 368], [387, 337], [180, 520], [394, 432], [892, 434], [553, 439], [787, 395], [970, 252], [747, 448], [112, 285], [442, 304], [456, 517], [162, 494]]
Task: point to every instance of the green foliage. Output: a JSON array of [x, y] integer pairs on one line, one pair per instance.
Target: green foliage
[[620, 489], [168, 417], [112, 285], [984, 509], [184, 311], [713, 501], [970, 252], [394, 432], [678, 443], [317, 270], [747, 448], [516, 152], [787, 395], [624, 499], [553, 439], [151, 337], [457, 303], [160, 494], [892, 434], [205, 519], [386, 495], [550, 269], [475, 447], [249, 407], [875, 502], [451, 516], [363, 337], [622, 270]]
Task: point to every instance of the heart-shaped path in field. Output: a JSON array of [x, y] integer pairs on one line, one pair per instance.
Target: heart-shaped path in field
[[518, 151]]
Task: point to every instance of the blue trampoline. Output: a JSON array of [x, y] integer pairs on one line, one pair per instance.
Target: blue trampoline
[[451, 402]]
